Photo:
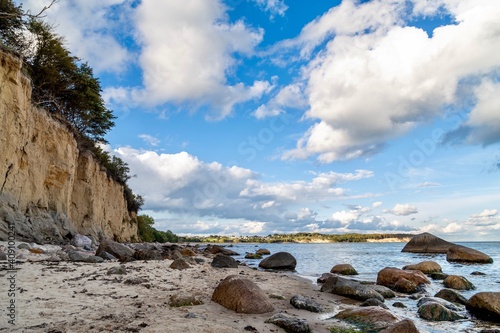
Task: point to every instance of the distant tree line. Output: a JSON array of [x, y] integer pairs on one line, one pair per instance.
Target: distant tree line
[[302, 237], [149, 234], [63, 85]]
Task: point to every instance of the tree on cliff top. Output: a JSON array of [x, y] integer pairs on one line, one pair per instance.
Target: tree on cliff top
[[64, 86]]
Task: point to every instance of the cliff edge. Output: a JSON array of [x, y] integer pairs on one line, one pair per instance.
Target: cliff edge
[[49, 189]]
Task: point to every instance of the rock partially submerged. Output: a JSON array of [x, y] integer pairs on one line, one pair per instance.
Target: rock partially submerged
[[403, 326], [241, 295], [426, 267], [343, 269], [371, 318], [433, 309], [485, 305], [427, 243], [407, 281], [451, 296], [458, 283], [459, 253]]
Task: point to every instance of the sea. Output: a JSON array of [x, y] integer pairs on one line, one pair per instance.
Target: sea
[[369, 258]]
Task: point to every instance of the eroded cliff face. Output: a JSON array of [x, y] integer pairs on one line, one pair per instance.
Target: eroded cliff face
[[50, 190]]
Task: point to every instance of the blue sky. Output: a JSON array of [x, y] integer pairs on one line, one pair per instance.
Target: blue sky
[[242, 117]]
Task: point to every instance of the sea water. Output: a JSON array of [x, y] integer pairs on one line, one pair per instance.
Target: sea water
[[369, 258]]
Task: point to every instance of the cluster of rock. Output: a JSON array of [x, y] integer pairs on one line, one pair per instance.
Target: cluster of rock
[[411, 281], [242, 295]]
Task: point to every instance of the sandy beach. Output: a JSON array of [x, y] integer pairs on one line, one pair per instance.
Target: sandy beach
[[82, 297]]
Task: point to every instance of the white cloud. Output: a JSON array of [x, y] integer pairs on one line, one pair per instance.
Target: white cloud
[[187, 53], [377, 204], [428, 184], [404, 210], [376, 78], [182, 184], [486, 213], [275, 7], [89, 29], [290, 96], [150, 139]]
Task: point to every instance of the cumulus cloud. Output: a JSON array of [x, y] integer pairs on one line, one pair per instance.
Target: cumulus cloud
[[290, 96], [428, 184], [403, 210], [182, 184], [187, 51], [89, 29], [377, 78]]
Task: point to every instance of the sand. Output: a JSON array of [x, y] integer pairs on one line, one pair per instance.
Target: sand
[[81, 297]]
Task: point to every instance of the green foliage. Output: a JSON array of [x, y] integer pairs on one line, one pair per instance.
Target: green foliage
[[11, 26], [148, 233]]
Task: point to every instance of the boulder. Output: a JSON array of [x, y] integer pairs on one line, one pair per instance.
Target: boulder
[[459, 253], [187, 252], [80, 257], [384, 291], [179, 264], [147, 255], [451, 296], [371, 318], [352, 289], [289, 323], [374, 302], [485, 305], [449, 305], [437, 312], [253, 256], [403, 326], [458, 283], [426, 267], [343, 269], [222, 261], [324, 277], [438, 276], [216, 249], [81, 241], [280, 260], [120, 251], [399, 280], [241, 295], [107, 256], [427, 243], [304, 303], [264, 252]]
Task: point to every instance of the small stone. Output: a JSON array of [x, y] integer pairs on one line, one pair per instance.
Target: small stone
[[451, 296], [478, 273], [289, 324], [253, 256], [458, 283], [117, 270], [222, 261], [179, 264], [264, 252], [344, 269], [304, 303], [184, 300], [24, 246], [107, 256], [399, 305], [374, 302]]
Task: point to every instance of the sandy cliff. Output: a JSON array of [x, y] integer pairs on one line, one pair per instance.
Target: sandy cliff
[[48, 188]]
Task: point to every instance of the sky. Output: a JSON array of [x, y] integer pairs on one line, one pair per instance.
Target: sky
[[254, 117]]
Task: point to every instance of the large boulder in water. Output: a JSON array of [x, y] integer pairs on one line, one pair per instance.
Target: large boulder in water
[[351, 289], [426, 267], [435, 311], [485, 305], [459, 253], [427, 243], [241, 295], [403, 326], [406, 281], [451, 296], [280, 260], [371, 318], [343, 269], [458, 283]]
